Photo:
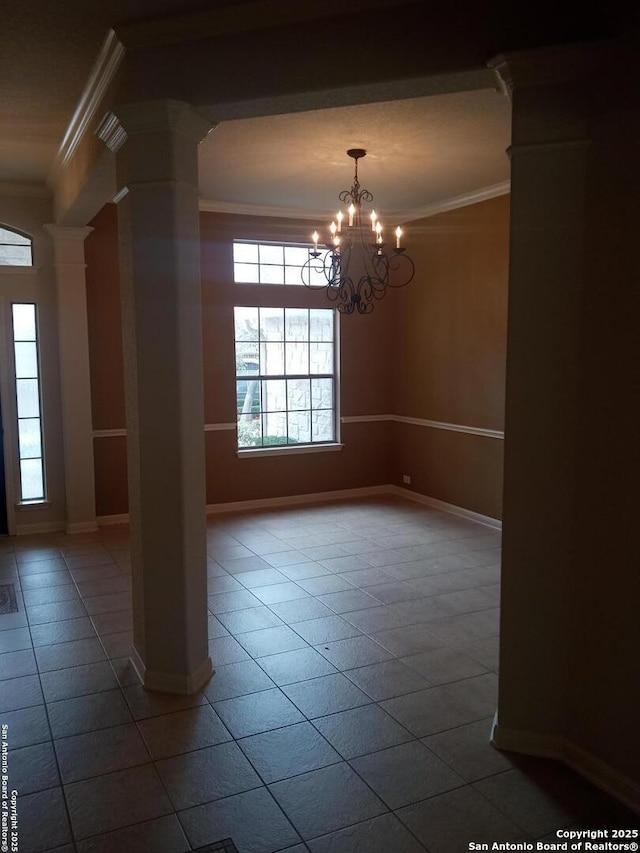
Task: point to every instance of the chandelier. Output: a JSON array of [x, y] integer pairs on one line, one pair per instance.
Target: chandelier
[[355, 267]]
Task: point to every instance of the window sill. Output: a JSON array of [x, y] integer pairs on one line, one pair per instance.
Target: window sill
[[10, 269], [254, 452], [27, 506]]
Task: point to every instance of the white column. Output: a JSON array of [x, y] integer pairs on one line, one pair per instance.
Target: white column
[[157, 148], [75, 380], [549, 184]]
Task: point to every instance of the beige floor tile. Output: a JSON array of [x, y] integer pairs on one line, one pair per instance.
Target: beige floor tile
[[387, 679], [100, 752], [88, 713], [379, 835], [449, 822], [288, 751], [106, 803], [78, 681], [445, 706], [26, 727], [207, 774], [183, 731], [151, 703], [353, 652], [468, 751], [43, 821], [74, 653], [444, 665], [252, 819], [33, 768], [361, 730], [257, 712], [162, 835], [406, 774], [17, 664], [325, 800]]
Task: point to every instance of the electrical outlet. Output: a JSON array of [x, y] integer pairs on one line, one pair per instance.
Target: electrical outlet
[[406, 479]]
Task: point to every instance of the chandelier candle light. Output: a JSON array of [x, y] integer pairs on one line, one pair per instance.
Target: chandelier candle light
[[354, 267]]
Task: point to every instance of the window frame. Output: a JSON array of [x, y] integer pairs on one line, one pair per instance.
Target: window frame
[[287, 447], [260, 265], [28, 237], [270, 294], [41, 500]]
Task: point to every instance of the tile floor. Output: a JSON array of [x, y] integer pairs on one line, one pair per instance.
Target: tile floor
[[355, 647]]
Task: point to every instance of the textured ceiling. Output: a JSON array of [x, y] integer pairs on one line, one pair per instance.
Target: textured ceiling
[[420, 151]]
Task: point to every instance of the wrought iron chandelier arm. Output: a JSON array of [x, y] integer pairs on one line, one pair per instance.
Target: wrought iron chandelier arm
[[377, 268], [355, 196]]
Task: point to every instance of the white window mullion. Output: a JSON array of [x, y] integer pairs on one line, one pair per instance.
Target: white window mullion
[[294, 409], [28, 401]]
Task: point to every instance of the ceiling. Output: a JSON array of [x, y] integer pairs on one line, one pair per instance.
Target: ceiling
[[421, 151]]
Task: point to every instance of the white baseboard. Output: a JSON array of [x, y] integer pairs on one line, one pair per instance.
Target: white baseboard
[[452, 509], [42, 527], [601, 774], [297, 500], [106, 520], [323, 497], [82, 527], [167, 682]]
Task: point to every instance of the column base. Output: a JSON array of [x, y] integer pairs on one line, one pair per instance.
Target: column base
[[526, 743], [560, 748], [170, 682]]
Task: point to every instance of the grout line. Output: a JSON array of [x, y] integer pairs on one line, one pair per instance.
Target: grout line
[[290, 626], [52, 741]]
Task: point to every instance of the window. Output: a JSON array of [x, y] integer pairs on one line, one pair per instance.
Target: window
[[15, 248], [271, 263], [25, 347], [285, 376]]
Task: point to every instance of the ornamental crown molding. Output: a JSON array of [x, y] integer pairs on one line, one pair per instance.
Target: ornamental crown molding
[[442, 206], [557, 64], [102, 75], [111, 132]]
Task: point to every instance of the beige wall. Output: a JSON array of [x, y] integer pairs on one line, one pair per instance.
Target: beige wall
[[365, 374], [103, 314], [433, 350], [449, 350], [364, 377], [106, 363]]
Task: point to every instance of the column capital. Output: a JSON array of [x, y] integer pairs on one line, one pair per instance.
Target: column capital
[[152, 117], [68, 244], [67, 232], [558, 64]]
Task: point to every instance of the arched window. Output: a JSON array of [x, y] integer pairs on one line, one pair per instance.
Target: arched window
[[16, 248]]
